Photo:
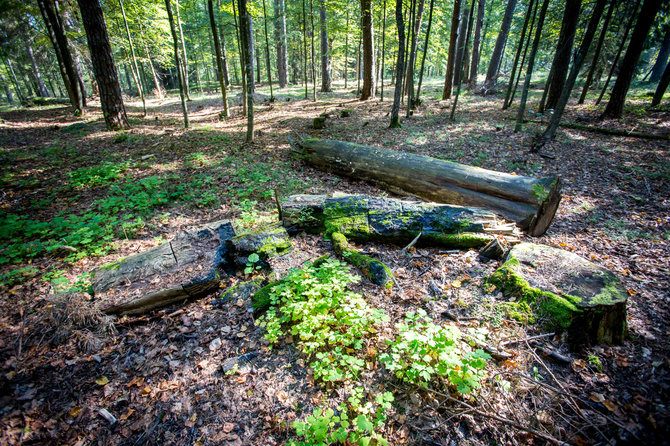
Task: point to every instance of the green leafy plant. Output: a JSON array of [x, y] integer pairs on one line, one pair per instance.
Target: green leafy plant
[[424, 351], [100, 175], [330, 322], [252, 264]]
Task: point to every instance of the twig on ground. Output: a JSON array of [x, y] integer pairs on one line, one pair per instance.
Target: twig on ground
[[413, 242], [530, 338]]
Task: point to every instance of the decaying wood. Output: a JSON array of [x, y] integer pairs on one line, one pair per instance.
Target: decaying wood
[[530, 202], [495, 250], [376, 271], [365, 218]]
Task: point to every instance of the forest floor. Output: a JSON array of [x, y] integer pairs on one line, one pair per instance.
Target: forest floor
[[74, 197]]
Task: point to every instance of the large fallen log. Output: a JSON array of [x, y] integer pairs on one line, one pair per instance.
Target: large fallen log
[[364, 218], [530, 202]]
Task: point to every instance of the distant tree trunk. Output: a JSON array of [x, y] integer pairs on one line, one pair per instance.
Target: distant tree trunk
[[257, 55], [515, 65], [245, 34], [561, 63], [346, 50], [629, 63], [368, 91], [219, 61], [224, 60], [267, 52], [474, 66], [662, 59], [460, 45], [448, 78], [662, 86], [180, 73], [412, 57], [42, 88], [280, 38], [304, 46], [469, 15], [311, 19], [103, 65], [596, 54], [17, 87], [615, 64], [326, 67], [243, 64], [184, 60], [8, 91], [136, 71], [496, 56], [574, 72], [383, 50], [400, 65], [531, 63], [425, 51], [358, 67]]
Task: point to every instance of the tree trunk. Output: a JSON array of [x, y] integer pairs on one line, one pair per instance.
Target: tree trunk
[[184, 60], [461, 45], [474, 67], [103, 65], [425, 52], [15, 80], [561, 62], [267, 52], [400, 65], [8, 91], [219, 61], [326, 67], [313, 54], [42, 88], [469, 15], [531, 202], [280, 38], [180, 76], [346, 50], [245, 34], [412, 57], [596, 54], [662, 86], [531, 63], [515, 65], [662, 59], [257, 56], [304, 48], [136, 70], [629, 63], [368, 91], [448, 78], [383, 56], [496, 57]]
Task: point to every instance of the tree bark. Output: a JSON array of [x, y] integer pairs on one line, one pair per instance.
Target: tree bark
[[412, 57], [515, 65], [627, 70], [8, 91], [496, 57], [662, 86], [311, 19], [474, 66], [346, 50], [219, 61], [561, 63], [368, 91], [103, 65], [180, 74], [460, 69], [245, 34], [448, 78], [383, 56], [326, 66], [280, 38], [267, 52], [184, 60], [42, 88], [136, 70], [461, 44], [15, 80], [400, 65], [662, 59], [596, 53], [531, 202], [425, 52], [304, 48]]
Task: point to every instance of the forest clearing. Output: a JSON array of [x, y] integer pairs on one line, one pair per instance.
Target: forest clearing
[[309, 266]]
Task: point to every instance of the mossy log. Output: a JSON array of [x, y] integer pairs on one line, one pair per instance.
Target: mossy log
[[364, 218], [267, 241], [530, 202], [374, 270], [572, 293]]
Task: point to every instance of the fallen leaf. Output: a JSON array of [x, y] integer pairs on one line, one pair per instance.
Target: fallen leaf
[[610, 405], [456, 284], [146, 391], [228, 427], [137, 381], [102, 380], [75, 411], [126, 415]]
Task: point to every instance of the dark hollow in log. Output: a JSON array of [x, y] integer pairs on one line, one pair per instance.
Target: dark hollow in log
[[530, 202], [363, 218]]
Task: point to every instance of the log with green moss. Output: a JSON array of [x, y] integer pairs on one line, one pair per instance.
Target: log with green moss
[[364, 218], [372, 269], [530, 202]]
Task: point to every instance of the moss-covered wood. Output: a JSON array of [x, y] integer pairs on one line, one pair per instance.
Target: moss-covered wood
[[530, 202], [267, 241], [569, 291], [374, 270], [364, 218]]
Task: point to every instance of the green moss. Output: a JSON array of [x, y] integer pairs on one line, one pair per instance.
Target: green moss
[[459, 240], [113, 266], [377, 272], [261, 301], [242, 290], [611, 292], [519, 311], [347, 215]]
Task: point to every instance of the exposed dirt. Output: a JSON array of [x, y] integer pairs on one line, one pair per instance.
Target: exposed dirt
[[160, 375]]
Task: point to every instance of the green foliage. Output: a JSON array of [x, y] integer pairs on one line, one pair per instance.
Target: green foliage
[[424, 351], [16, 276], [540, 192], [101, 175], [252, 263], [330, 322]]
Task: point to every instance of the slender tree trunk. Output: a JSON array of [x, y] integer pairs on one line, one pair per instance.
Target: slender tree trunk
[[596, 54], [358, 67], [17, 87], [280, 38], [304, 46], [326, 67], [243, 64], [662, 59], [460, 45], [531, 63], [224, 60], [136, 70], [103, 65], [662, 86], [267, 52], [219, 61], [180, 73], [627, 70], [449, 77], [412, 58], [474, 67], [501, 41], [42, 88], [574, 72], [313, 56], [515, 65], [346, 50], [246, 33], [460, 66], [400, 65], [184, 60], [425, 52], [561, 63], [381, 77], [368, 91], [8, 91], [257, 56]]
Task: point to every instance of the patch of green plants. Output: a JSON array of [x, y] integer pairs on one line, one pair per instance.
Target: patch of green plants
[[480, 158], [620, 230], [594, 361], [18, 275], [102, 174], [252, 264], [425, 351], [249, 216], [540, 192], [330, 322]]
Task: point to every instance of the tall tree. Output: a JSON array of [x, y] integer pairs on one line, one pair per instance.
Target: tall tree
[[135, 69], [184, 58], [326, 66], [662, 86], [662, 58], [496, 56], [474, 66], [412, 56], [383, 49], [246, 39], [267, 52], [104, 70], [400, 65], [449, 77], [368, 91], [177, 62], [596, 53], [311, 19], [460, 66], [561, 62], [280, 39], [629, 63], [41, 87], [425, 51], [515, 65], [219, 61]]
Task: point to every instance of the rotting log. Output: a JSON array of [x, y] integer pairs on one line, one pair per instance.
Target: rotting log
[[530, 202], [365, 218], [374, 270]]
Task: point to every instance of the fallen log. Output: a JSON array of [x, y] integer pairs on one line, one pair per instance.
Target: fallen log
[[530, 202], [372, 269], [365, 218]]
